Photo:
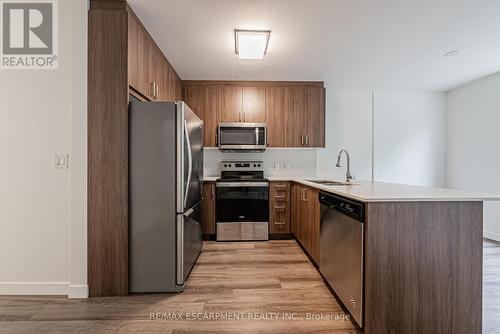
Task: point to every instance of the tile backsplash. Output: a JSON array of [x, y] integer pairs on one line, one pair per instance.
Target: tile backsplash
[[300, 162]]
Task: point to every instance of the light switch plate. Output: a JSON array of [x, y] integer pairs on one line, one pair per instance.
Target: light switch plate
[[61, 161], [287, 165], [277, 166]]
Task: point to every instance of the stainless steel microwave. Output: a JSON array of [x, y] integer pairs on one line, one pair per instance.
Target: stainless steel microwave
[[237, 137]]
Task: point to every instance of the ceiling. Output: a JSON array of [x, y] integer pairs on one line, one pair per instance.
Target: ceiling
[[349, 44]]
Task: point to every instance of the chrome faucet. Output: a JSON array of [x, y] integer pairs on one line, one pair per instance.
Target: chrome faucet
[[348, 175]]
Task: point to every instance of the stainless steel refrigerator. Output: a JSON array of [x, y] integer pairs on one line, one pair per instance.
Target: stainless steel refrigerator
[[166, 173]]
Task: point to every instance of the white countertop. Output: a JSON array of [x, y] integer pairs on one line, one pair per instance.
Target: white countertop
[[387, 192]]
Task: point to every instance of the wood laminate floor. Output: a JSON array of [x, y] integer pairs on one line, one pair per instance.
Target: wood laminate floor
[[260, 282], [270, 278]]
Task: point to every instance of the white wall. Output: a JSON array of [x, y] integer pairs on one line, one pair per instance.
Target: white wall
[[405, 132], [410, 137], [348, 126], [37, 204], [473, 144]]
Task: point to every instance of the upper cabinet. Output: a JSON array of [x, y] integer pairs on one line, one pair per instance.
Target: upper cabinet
[[254, 104], [149, 72], [206, 102], [305, 119], [232, 99], [294, 112], [315, 131], [278, 101]]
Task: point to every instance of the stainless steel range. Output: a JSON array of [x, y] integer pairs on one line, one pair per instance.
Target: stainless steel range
[[242, 202]]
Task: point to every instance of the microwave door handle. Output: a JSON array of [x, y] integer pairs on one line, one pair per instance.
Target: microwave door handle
[[190, 159], [256, 136]]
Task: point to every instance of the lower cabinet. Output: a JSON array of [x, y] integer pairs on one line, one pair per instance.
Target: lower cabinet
[[279, 208], [208, 220], [305, 219]]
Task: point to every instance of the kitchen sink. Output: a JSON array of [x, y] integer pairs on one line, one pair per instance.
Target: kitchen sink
[[330, 183]]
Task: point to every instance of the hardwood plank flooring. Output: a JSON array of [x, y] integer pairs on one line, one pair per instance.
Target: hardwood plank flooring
[[270, 279], [241, 278]]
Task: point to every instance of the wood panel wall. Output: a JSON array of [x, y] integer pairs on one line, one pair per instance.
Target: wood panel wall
[[107, 149], [423, 267]]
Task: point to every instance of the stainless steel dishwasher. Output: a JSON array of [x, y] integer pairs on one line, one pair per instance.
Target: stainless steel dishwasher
[[341, 250]]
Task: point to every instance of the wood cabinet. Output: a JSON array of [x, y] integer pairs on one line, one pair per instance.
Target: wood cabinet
[[254, 104], [305, 118], [149, 72], [306, 218], [232, 104], [315, 129], [278, 101], [206, 102], [208, 219], [294, 112], [279, 208], [175, 85]]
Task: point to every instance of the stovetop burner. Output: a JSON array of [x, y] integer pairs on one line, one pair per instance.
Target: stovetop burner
[[244, 171]]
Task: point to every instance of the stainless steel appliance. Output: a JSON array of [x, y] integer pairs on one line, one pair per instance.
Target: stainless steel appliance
[[166, 170], [242, 202], [341, 250], [238, 137]]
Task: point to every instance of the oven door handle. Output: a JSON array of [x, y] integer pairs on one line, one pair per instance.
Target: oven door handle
[[241, 184]]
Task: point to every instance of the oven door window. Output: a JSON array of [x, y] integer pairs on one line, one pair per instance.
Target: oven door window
[[238, 136], [242, 204]]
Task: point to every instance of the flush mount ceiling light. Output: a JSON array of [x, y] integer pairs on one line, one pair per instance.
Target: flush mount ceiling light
[[451, 53], [251, 44]]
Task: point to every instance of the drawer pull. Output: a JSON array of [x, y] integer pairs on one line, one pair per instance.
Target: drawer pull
[[279, 196], [279, 207], [280, 187], [279, 223]]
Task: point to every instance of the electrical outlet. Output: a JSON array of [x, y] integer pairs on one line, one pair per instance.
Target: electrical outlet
[[277, 166], [61, 161], [287, 165]]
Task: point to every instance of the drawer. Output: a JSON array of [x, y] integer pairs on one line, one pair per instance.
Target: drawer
[[279, 187], [279, 208]]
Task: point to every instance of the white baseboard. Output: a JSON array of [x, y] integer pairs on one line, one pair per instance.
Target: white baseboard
[[78, 291], [34, 288], [45, 288], [491, 235]]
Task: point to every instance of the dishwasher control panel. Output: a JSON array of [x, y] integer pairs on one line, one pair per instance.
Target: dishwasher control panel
[[351, 208]]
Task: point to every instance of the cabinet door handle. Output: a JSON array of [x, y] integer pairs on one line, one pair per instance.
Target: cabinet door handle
[[212, 190], [304, 197], [307, 140], [152, 89], [216, 140], [157, 93], [302, 139]]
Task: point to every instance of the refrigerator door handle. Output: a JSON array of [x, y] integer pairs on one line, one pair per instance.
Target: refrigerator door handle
[[189, 212], [180, 250], [190, 161]]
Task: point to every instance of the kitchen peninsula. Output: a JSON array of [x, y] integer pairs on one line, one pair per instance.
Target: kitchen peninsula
[[421, 251]]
